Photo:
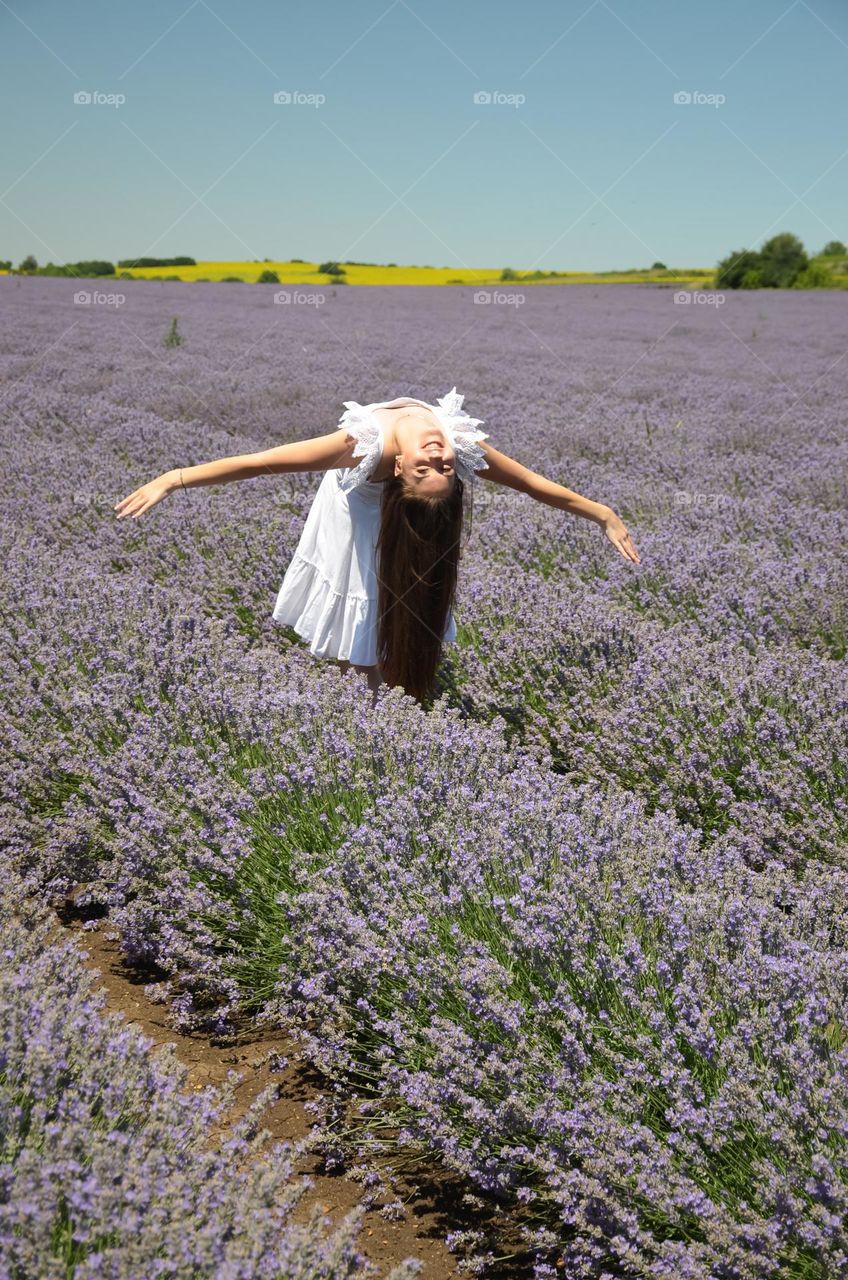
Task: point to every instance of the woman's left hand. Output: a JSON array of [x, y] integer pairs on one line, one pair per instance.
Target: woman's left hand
[[616, 531]]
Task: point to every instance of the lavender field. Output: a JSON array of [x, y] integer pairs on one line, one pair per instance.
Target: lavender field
[[580, 931]]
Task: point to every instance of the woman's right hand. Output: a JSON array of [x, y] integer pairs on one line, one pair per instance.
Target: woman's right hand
[[141, 500]]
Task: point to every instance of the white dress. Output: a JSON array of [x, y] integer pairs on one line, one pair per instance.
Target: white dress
[[329, 594]]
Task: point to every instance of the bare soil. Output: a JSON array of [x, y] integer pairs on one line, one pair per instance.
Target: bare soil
[[433, 1198]]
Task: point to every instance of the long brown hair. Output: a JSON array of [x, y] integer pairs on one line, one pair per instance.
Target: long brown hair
[[418, 554]]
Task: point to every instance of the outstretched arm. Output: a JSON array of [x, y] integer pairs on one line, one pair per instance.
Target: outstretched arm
[[321, 453], [505, 470]]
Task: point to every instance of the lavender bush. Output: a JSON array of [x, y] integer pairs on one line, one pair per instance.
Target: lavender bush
[[107, 1168], [580, 930]]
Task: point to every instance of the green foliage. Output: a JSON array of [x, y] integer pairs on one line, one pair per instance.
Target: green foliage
[[268, 277], [6, 266], [72, 270], [157, 262], [331, 269], [232, 280], [777, 265], [834, 249], [814, 276], [731, 271], [173, 337], [658, 266], [782, 259], [28, 265], [509, 274], [94, 268]]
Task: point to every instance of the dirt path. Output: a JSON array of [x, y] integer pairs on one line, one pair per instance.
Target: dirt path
[[434, 1206]]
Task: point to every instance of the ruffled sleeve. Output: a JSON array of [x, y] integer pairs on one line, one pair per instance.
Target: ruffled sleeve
[[366, 430], [464, 436]]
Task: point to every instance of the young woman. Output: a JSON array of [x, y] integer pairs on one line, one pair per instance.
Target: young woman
[[373, 580]]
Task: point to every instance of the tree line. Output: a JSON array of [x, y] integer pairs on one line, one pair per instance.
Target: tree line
[[781, 263]]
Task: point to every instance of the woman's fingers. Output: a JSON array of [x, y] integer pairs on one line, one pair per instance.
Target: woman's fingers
[[124, 503], [627, 548], [131, 506], [135, 503]]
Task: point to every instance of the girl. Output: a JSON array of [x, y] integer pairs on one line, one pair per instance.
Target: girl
[[373, 580]]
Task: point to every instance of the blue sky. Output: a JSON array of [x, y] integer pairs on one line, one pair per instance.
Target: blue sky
[[398, 162]]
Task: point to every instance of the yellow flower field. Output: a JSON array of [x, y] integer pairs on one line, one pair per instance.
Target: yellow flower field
[[306, 273]]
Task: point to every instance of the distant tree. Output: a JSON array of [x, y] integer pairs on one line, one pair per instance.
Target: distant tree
[[157, 262], [296, 259], [731, 271], [6, 266], [28, 265], [752, 279], [834, 249], [268, 277], [331, 269], [658, 266], [93, 268], [231, 280], [509, 274], [782, 259], [391, 264]]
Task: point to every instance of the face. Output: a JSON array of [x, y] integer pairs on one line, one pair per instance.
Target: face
[[426, 458]]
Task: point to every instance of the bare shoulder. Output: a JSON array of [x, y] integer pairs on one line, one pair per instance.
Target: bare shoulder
[[504, 470]]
